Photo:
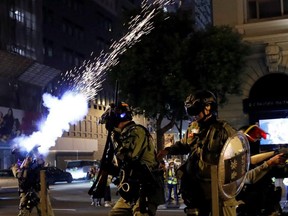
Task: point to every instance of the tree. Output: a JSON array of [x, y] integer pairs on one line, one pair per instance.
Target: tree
[[217, 58], [157, 73]]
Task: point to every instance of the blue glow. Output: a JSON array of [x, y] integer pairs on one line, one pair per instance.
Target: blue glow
[[70, 109]]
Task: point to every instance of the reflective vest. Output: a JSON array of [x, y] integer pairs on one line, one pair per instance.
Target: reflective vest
[[171, 176]]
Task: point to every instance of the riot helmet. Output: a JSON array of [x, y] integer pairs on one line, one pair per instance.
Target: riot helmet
[[123, 112], [116, 114], [196, 103]]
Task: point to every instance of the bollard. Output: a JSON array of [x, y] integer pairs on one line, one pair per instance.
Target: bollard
[[43, 193], [214, 189]]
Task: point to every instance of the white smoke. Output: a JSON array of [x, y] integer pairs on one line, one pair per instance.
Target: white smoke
[[73, 107], [69, 109]]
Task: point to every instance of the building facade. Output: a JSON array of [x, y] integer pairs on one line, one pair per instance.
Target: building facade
[[42, 39], [263, 24]]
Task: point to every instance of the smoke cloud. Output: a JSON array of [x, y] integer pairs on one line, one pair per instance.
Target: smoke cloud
[[72, 107], [69, 109]]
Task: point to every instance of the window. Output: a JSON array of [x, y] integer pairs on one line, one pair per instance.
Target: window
[[16, 49], [264, 9], [76, 6], [105, 24], [78, 58], [17, 15], [72, 30], [48, 16], [67, 56], [47, 48], [71, 57]]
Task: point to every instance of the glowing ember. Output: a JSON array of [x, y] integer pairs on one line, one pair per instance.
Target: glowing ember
[[94, 70], [72, 107]]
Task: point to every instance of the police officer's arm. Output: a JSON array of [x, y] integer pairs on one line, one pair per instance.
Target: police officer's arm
[[15, 170], [181, 147], [258, 172], [178, 148], [20, 172]]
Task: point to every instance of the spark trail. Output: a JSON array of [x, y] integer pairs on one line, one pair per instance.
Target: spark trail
[[94, 70], [84, 85]]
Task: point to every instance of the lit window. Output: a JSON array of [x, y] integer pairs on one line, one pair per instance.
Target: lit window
[[12, 14], [19, 16]]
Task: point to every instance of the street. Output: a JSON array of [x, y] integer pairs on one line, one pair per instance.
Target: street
[[70, 199]]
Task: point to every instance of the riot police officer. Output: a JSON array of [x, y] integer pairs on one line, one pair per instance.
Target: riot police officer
[[28, 174], [203, 141], [138, 183]]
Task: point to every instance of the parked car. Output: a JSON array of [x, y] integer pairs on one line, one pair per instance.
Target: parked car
[[80, 168], [54, 174], [7, 179]]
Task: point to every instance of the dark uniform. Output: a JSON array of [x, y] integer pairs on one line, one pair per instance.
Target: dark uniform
[[204, 149], [140, 182], [203, 141], [28, 175]]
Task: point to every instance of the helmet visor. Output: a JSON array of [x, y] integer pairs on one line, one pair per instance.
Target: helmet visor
[[194, 109]]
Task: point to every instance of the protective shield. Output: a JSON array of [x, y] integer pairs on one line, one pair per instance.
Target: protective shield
[[233, 165]]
